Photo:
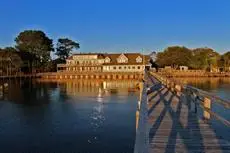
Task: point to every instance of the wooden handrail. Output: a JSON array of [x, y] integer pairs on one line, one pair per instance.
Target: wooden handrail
[[218, 100], [197, 94], [141, 142]]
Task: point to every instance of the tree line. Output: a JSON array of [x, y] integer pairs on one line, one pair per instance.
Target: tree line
[[34, 48], [199, 58], [38, 47]]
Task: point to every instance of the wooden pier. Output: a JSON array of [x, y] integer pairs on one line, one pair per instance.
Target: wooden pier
[[175, 118], [20, 76]]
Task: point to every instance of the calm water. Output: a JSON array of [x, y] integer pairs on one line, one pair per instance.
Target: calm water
[[81, 117], [218, 86], [221, 88]]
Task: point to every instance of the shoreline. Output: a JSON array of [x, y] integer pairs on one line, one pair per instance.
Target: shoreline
[[194, 74]]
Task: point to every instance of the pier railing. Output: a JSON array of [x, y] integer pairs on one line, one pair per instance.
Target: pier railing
[[142, 139], [198, 97]]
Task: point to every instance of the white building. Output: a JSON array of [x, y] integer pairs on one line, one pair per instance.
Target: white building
[[124, 62]]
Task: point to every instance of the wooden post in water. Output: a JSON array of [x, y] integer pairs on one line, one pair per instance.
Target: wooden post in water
[[207, 105]]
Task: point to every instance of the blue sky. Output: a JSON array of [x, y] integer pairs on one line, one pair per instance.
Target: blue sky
[[121, 25]]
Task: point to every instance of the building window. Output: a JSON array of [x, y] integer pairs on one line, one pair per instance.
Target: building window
[[119, 67], [129, 67], [139, 67], [133, 67], [114, 68], [125, 67]]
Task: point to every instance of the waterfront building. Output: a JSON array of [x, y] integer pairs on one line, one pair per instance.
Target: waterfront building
[[98, 62]]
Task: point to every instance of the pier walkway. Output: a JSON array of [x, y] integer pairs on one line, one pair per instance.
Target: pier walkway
[[169, 121]]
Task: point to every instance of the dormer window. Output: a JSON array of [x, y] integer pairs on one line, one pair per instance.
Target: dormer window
[[107, 60], [122, 59], [139, 59]]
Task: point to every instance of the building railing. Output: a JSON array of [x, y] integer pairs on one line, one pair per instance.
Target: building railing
[[78, 65], [61, 65], [197, 96]]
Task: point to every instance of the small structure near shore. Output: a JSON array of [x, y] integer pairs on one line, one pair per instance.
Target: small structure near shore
[[183, 68]]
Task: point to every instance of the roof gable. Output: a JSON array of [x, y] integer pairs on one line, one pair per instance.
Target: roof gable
[[139, 59], [122, 59]]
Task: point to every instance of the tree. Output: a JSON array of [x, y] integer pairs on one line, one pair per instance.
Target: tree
[[226, 61], [174, 56], [10, 62], [65, 46], [204, 58], [35, 42], [9, 49]]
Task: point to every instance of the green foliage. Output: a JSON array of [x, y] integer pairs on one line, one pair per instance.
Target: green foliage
[[204, 58], [200, 58], [174, 56], [225, 61], [226, 58], [36, 42], [52, 65], [10, 62], [9, 49], [64, 47]]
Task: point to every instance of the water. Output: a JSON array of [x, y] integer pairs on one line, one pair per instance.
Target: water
[[217, 86], [81, 117]]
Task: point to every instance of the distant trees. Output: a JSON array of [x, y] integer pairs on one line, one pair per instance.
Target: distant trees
[[225, 61], [9, 49], [10, 62], [40, 46], [204, 58], [35, 42], [34, 48], [64, 47], [174, 56], [199, 58]]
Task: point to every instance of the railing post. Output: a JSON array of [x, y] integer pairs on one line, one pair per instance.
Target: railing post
[[195, 103], [178, 89], [207, 105], [139, 105]]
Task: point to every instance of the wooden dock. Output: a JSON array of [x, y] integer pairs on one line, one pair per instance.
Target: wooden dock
[[168, 122], [92, 75], [20, 76]]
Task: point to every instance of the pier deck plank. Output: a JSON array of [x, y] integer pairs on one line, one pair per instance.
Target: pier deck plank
[[173, 127]]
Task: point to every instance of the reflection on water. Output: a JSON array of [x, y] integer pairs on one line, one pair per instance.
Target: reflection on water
[[73, 116]]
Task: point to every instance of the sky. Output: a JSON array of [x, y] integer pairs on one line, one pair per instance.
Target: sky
[[121, 25]]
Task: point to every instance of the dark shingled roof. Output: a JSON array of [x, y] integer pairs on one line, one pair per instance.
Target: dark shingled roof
[[113, 57]]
